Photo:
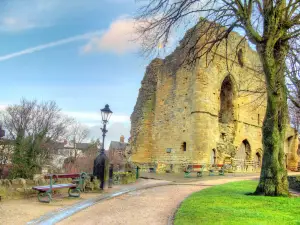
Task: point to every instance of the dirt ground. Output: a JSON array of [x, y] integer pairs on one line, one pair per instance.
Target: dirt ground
[[21, 211]]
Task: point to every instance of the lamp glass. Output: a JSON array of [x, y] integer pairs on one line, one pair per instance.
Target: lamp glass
[[106, 113]]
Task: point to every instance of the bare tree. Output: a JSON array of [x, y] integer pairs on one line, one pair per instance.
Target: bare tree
[[294, 113], [34, 128], [6, 151], [293, 73], [77, 134], [271, 26]]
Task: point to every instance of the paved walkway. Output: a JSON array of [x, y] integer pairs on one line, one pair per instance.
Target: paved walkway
[[147, 206], [55, 216], [146, 201]]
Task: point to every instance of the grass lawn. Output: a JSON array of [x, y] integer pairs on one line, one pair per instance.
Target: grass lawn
[[228, 204]]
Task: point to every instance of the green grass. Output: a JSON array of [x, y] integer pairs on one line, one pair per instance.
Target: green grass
[[228, 204]]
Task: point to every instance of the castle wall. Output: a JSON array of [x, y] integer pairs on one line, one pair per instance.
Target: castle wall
[[180, 109], [142, 118]]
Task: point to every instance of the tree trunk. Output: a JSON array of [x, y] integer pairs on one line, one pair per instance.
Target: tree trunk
[[273, 177]]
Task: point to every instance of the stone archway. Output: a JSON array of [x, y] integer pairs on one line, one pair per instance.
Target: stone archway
[[244, 151], [286, 160], [226, 114], [243, 154], [257, 160], [288, 144], [213, 157]]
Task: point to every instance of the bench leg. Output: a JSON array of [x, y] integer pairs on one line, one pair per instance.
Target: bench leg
[[74, 192], [45, 197], [199, 174], [211, 173], [116, 180], [186, 174]]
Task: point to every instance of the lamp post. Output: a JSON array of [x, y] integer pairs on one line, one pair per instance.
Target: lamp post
[[106, 114], [101, 160]]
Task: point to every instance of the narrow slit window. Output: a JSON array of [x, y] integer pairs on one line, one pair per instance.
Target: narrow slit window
[[183, 146]]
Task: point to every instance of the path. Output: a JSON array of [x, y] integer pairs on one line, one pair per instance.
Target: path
[[148, 206], [20, 211]]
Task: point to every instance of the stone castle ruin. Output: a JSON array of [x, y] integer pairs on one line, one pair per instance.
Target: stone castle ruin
[[207, 114]]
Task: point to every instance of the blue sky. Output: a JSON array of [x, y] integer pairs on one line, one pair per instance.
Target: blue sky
[[75, 52]]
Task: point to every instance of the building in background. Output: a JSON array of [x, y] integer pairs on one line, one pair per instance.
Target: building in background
[[65, 152], [116, 154]]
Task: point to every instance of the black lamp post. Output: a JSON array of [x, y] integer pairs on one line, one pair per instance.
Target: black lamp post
[[106, 114], [101, 160]]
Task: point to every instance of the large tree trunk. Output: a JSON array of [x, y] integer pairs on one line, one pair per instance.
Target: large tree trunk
[[273, 178]]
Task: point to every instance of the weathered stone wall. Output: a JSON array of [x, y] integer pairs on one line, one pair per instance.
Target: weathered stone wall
[[177, 105], [291, 149], [143, 115]]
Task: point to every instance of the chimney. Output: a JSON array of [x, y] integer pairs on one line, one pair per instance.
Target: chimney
[[122, 139]]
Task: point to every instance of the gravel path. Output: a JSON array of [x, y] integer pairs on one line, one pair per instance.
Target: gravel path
[[148, 206], [21, 211]]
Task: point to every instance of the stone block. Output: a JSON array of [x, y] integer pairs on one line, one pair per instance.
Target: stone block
[[6, 183]]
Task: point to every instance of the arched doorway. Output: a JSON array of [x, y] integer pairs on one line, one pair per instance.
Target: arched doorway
[[288, 143], [243, 154], [226, 101], [244, 151], [213, 157], [257, 160]]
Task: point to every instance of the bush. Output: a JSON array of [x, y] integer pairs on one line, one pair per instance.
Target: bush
[[294, 182], [124, 177]]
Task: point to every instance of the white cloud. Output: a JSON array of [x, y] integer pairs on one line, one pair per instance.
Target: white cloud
[[118, 125], [21, 15], [49, 45], [93, 118], [14, 23], [113, 134], [122, 37], [18, 15], [119, 38]]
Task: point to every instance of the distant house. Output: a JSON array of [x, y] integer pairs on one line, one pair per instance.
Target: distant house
[[58, 152], [116, 153], [84, 161], [64, 151]]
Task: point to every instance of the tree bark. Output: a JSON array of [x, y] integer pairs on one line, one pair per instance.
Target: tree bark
[[273, 178]]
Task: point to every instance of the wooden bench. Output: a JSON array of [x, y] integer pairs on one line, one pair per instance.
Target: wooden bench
[[194, 168], [77, 185], [217, 168]]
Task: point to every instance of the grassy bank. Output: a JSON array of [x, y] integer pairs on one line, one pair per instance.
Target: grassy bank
[[228, 204]]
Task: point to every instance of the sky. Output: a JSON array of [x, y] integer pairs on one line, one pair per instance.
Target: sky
[[78, 53]]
